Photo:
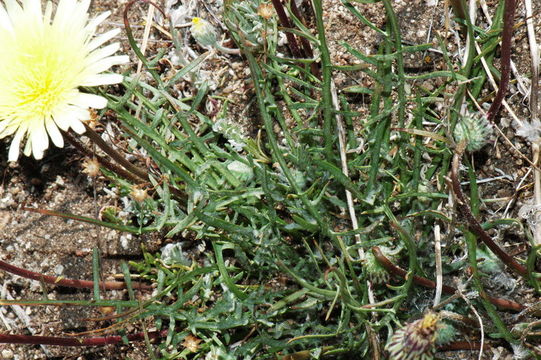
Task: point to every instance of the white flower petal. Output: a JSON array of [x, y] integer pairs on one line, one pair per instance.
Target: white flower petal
[[3, 126], [14, 148], [77, 126], [54, 133], [39, 139], [102, 39], [99, 54], [65, 14], [7, 129], [13, 8], [102, 79], [28, 148], [5, 22], [71, 117], [93, 24], [84, 100], [48, 12], [33, 8], [106, 63]]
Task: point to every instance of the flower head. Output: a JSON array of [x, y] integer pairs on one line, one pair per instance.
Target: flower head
[[43, 62], [416, 340]]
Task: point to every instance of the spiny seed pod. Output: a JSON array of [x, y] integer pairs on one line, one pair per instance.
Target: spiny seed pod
[[473, 129], [374, 271], [416, 340]]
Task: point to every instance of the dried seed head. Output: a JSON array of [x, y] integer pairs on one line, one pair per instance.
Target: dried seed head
[[191, 343], [416, 340], [107, 310], [138, 194], [93, 120], [266, 11], [91, 167]]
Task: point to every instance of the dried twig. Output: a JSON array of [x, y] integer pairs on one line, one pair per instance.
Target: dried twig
[[534, 111], [284, 20]]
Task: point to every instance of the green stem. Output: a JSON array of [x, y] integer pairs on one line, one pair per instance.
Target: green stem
[[393, 21], [263, 96], [489, 307]]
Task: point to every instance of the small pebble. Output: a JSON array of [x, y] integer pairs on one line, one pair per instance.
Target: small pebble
[[7, 354]]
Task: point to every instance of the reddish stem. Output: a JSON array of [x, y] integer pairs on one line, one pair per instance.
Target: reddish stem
[[72, 341], [473, 224], [104, 161], [59, 281], [291, 40], [306, 48], [505, 59], [399, 272], [96, 139]]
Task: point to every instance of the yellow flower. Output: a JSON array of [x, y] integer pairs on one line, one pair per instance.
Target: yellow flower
[[43, 62]]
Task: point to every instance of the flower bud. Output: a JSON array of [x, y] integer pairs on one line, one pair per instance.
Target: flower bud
[[203, 32], [416, 340]]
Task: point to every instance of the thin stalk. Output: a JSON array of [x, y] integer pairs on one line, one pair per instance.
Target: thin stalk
[[307, 49], [119, 227], [103, 161], [537, 192], [133, 43], [60, 281], [96, 139], [75, 341], [534, 111], [505, 62], [284, 20], [96, 273], [395, 29], [485, 299]]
